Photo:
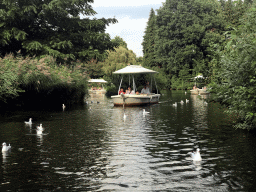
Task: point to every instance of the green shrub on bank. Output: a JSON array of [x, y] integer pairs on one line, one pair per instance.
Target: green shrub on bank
[[178, 83], [236, 77], [111, 90], [29, 80]]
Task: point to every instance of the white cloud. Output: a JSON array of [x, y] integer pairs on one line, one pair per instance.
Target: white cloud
[[128, 27], [131, 30], [119, 3]]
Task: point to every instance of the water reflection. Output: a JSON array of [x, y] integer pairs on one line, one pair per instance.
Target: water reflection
[[5, 155], [99, 150]]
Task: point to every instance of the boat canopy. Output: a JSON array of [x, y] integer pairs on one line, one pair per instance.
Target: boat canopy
[[131, 69], [199, 76], [97, 81]]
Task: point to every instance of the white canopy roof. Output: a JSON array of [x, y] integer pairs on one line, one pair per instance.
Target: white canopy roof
[[134, 69], [199, 76], [97, 81]]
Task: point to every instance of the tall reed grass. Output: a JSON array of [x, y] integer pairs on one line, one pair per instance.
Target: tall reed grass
[[29, 82]]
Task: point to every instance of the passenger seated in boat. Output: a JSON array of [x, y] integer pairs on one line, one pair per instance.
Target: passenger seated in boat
[[145, 90], [137, 92], [129, 91], [121, 91]]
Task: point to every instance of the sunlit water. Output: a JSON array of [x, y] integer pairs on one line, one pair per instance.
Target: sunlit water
[[94, 148]]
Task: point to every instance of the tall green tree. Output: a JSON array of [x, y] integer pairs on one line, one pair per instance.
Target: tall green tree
[[148, 43], [53, 27], [118, 59], [182, 35], [233, 11], [237, 72], [119, 42]]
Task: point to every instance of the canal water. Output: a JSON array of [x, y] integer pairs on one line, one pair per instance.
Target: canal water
[[92, 147]]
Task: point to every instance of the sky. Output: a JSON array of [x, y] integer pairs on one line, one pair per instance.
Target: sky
[[132, 16]]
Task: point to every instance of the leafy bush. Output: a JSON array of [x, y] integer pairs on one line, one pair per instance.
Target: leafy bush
[[111, 90], [177, 83], [31, 81], [238, 88]]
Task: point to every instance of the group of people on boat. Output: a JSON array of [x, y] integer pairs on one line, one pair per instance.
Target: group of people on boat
[[95, 88], [145, 90], [194, 87]]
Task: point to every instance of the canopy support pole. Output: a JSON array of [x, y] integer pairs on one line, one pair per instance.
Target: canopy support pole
[[120, 85], [134, 86], [156, 85], [151, 84]]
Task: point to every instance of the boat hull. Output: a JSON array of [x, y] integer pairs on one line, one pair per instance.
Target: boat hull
[[100, 92], [135, 100], [199, 91]]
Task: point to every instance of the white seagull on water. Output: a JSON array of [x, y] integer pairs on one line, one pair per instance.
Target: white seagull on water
[[40, 127], [145, 112], [29, 122], [6, 148], [196, 155], [40, 130]]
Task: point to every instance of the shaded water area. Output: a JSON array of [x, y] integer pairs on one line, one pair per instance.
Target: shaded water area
[[91, 147]]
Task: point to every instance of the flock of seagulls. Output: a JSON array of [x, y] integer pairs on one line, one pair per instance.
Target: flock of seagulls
[[181, 102], [187, 101], [194, 155], [39, 131]]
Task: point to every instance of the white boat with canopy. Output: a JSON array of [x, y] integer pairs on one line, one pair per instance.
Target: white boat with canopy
[[135, 99], [97, 90]]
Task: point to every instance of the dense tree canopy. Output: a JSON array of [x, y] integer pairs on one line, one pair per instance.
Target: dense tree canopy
[[149, 40], [233, 11], [119, 42], [237, 71], [118, 59], [182, 38], [53, 27]]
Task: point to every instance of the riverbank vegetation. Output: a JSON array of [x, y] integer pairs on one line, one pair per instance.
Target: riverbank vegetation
[[234, 84], [213, 38], [29, 82], [49, 49]]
